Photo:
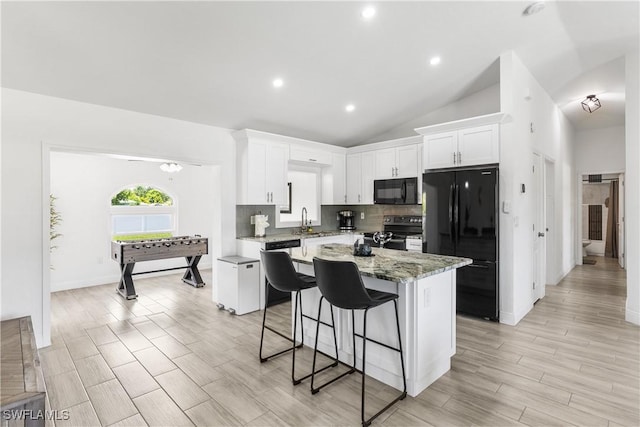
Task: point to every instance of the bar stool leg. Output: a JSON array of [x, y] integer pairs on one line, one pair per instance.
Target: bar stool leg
[[264, 326], [315, 390], [353, 335], [404, 377], [364, 365], [264, 321]]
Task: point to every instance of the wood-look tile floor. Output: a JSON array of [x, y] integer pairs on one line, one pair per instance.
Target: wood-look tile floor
[[172, 358]]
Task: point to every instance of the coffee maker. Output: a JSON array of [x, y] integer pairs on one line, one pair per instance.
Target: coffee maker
[[346, 220]]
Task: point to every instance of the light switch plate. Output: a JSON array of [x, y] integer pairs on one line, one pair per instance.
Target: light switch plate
[[506, 206], [361, 215]]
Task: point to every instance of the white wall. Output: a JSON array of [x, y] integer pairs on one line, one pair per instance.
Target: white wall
[[485, 101], [600, 150], [31, 124], [632, 187], [84, 184], [552, 137]]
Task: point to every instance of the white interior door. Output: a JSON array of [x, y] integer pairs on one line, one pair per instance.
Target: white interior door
[[538, 229], [621, 223]]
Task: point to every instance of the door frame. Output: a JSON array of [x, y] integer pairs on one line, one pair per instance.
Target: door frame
[[578, 211], [539, 269], [551, 241]]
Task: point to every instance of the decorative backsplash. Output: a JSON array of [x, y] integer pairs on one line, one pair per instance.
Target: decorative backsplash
[[372, 217]]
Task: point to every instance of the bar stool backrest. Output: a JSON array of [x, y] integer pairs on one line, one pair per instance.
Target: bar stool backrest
[[279, 270], [340, 283]]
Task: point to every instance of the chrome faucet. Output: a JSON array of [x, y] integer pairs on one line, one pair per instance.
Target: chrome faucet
[[303, 222]]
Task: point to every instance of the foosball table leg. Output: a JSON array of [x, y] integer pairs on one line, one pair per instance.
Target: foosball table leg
[[126, 288], [192, 275]]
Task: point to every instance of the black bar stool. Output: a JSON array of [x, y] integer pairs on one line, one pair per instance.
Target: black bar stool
[[341, 285], [282, 276]]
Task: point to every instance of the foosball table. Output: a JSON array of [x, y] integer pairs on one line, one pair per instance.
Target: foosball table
[[127, 253]]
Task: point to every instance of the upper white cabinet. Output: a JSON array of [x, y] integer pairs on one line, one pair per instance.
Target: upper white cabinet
[[479, 145], [460, 143], [311, 156], [397, 162], [334, 190], [267, 166], [466, 147], [360, 177], [262, 169]]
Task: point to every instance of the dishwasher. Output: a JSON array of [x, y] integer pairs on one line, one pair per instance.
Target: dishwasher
[[276, 296]]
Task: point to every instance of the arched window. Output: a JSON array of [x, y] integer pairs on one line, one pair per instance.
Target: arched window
[[142, 212]]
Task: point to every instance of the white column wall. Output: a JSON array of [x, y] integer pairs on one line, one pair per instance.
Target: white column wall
[[529, 106], [632, 188]]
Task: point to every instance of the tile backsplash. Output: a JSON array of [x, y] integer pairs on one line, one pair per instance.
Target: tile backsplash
[[372, 213]]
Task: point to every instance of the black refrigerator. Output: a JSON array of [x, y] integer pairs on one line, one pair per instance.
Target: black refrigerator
[[460, 218]]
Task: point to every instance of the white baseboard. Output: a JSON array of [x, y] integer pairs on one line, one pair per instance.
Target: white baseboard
[[511, 318], [632, 316], [561, 276]]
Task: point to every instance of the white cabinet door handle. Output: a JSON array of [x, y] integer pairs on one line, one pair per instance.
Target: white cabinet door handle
[[459, 158], [454, 157]]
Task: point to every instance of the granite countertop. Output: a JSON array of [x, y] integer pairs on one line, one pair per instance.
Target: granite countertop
[[387, 264], [292, 236]]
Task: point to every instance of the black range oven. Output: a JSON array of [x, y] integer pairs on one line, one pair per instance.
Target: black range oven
[[400, 226]]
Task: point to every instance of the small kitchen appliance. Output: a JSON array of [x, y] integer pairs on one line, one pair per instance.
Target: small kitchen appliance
[[346, 221], [400, 191], [261, 224], [396, 229]]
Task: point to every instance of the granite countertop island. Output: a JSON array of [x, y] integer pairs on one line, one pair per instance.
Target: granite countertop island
[[386, 264], [426, 289]]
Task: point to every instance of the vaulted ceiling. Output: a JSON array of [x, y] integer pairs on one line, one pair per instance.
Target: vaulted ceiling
[[214, 62]]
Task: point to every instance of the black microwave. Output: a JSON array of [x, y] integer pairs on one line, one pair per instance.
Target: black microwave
[[400, 191]]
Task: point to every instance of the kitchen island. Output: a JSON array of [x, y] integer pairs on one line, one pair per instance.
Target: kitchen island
[[426, 286]]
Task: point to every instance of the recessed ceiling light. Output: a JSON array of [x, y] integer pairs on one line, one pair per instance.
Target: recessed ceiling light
[[368, 12], [435, 60], [278, 82], [350, 108], [533, 8]]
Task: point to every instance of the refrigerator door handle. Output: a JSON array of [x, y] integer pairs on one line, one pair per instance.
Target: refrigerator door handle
[[486, 267], [451, 231], [455, 211]]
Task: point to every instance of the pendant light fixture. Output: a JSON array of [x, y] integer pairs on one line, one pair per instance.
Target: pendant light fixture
[[170, 167], [591, 103]]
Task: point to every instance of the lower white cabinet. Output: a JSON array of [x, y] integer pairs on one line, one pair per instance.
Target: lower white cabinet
[[238, 284]]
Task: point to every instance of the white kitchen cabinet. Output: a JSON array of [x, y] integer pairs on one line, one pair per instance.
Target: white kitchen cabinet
[[360, 177], [397, 162], [465, 147], [310, 156], [334, 190], [479, 145], [263, 179]]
